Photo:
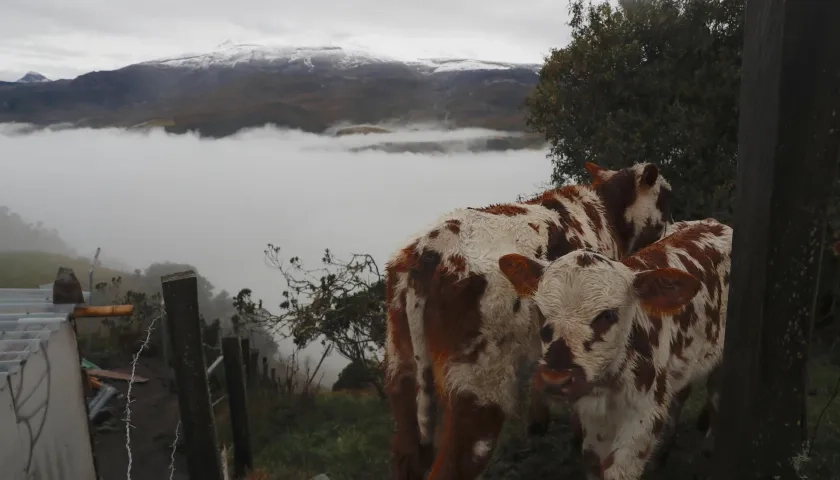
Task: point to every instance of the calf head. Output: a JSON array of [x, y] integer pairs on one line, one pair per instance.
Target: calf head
[[587, 305], [637, 200]]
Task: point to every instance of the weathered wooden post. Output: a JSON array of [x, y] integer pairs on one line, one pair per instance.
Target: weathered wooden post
[[180, 296], [246, 353], [254, 361], [265, 372], [273, 378], [788, 153], [243, 460]]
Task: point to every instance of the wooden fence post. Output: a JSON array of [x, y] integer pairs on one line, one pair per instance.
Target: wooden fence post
[[787, 160], [265, 371], [180, 296], [246, 353], [253, 360], [243, 460]]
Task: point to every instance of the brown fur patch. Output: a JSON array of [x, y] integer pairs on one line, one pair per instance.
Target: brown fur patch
[[459, 263], [601, 324], [559, 356], [558, 244], [454, 226], [506, 209], [618, 193], [661, 387], [522, 272], [535, 226], [465, 423], [665, 290], [607, 462]]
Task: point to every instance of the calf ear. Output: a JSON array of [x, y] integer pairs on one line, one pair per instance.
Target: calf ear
[[665, 291], [598, 173], [522, 272], [649, 175]]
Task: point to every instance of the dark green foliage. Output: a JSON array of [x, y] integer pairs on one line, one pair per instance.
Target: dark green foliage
[[658, 81], [357, 376], [341, 305]]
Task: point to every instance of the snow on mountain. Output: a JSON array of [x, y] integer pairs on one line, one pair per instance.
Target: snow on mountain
[[439, 65], [33, 77], [229, 55]]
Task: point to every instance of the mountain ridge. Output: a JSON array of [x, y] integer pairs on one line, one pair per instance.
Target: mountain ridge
[[308, 88]]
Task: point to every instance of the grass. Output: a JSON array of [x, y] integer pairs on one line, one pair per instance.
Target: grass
[[344, 436], [31, 269], [348, 438]]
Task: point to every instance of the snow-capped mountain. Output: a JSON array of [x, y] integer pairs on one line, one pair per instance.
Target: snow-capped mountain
[[33, 77], [309, 88], [231, 55]]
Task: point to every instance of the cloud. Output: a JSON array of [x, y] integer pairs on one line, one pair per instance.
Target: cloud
[[61, 39], [147, 197]]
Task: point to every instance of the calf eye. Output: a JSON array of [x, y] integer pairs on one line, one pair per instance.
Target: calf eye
[[605, 320], [546, 333]]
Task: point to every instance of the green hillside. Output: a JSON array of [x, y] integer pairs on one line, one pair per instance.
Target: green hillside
[[30, 269]]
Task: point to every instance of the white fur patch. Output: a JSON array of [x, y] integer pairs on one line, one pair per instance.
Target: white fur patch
[[481, 449]]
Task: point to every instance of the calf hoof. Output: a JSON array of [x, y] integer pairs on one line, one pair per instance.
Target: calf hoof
[[707, 447], [537, 429], [407, 466]]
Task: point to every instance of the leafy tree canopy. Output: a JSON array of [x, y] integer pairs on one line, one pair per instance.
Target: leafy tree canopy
[[653, 81]]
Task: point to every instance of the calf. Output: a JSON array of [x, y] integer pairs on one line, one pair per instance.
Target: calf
[[621, 339], [456, 330]]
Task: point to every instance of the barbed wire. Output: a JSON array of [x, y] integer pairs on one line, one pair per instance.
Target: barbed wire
[[172, 454], [128, 400]]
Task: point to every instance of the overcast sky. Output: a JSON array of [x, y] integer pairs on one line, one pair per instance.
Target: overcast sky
[[62, 39]]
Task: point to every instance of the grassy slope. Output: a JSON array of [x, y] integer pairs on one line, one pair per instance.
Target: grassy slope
[[348, 438], [30, 269]]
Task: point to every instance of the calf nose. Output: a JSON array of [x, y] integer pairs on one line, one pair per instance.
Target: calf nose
[[554, 378]]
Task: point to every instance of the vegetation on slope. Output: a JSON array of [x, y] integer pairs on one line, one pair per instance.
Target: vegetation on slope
[[348, 437]]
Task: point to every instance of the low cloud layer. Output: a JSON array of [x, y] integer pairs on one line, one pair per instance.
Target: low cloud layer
[[147, 197]]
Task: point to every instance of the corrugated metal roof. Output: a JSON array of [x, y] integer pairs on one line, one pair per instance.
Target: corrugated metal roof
[[27, 319]]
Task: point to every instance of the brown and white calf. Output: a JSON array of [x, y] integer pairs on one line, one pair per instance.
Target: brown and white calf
[[456, 330], [622, 338]]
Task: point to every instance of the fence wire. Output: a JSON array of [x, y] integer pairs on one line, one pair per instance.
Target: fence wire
[[128, 400]]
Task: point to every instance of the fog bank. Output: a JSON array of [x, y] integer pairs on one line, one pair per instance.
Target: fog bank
[[149, 196]]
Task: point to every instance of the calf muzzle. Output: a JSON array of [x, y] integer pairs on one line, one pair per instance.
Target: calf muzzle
[[568, 383]]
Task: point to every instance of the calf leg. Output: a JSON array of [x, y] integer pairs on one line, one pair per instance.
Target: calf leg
[[595, 443], [710, 411], [407, 455], [577, 430], [669, 434], [633, 446], [469, 437], [539, 415]]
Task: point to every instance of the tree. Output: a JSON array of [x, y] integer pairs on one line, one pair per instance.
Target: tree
[[357, 376], [341, 305], [655, 82]]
